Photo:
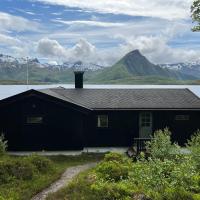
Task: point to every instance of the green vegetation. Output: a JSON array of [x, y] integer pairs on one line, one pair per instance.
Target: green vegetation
[[195, 9], [23, 177], [194, 147], [161, 146], [140, 80], [3, 145], [164, 175]]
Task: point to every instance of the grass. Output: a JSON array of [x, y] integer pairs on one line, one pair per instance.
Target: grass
[[79, 188], [18, 189]]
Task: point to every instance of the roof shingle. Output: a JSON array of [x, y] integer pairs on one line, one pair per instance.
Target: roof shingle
[[100, 99]]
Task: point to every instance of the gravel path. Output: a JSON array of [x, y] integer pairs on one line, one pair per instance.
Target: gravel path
[[66, 177]]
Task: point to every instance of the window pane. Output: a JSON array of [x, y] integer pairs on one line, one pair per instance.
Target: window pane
[[146, 119], [102, 121], [34, 120], [182, 117]]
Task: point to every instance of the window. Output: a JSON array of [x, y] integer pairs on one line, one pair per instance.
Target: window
[[102, 121], [34, 120], [146, 119], [182, 117]]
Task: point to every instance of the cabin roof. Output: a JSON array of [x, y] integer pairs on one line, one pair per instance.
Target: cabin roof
[[127, 99]]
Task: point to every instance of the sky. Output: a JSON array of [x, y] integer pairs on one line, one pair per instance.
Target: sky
[[98, 31]]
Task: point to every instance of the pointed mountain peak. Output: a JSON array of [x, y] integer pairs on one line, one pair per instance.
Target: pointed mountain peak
[[135, 52]]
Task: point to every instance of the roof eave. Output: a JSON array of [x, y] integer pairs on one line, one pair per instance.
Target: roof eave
[[149, 109]]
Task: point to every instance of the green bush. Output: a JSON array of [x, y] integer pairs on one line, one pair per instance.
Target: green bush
[[161, 146], [16, 169], [112, 171], [24, 168], [194, 146], [42, 163], [4, 173], [112, 190], [113, 156], [178, 193], [167, 174], [21, 169], [3, 145]]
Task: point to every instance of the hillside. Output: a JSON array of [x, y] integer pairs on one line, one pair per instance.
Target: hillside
[[134, 65]]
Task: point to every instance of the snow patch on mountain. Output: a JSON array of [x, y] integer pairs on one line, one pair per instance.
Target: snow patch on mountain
[[9, 61]]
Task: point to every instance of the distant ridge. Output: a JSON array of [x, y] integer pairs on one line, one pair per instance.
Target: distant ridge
[[135, 64]]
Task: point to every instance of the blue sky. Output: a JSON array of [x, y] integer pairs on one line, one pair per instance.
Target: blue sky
[[99, 31]]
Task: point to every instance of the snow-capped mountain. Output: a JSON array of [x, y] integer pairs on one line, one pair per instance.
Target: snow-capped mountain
[[9, 61], [134, 64], [190, 68], [82, 66]]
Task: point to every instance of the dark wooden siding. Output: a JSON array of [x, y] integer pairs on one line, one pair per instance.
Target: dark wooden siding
[[61, 128], [124, 126], [65, 128], [181, 130]]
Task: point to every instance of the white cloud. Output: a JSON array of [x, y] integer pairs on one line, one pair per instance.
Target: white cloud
[[15, 23], [20, 51], [171, 9], [155, 48], [8, 40], [158, 51], [47, 47], [53, 62], [89, 23], [30, 13], [56, 13], [83, 50]]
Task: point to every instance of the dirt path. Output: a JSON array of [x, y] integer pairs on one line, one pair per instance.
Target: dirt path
[[66, 177]]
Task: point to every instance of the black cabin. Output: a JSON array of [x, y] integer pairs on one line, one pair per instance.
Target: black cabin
[[71, 119]]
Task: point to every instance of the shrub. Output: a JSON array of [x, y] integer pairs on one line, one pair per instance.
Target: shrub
[[3, 145], [21, 169], [112, 171], [194, 146], [4, 173], [177, 193], [10, 169], [113, 156], [156, 178], [41, 163], [161, 146], [112, 190]]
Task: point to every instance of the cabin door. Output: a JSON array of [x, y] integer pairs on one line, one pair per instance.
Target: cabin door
[[145, 124]]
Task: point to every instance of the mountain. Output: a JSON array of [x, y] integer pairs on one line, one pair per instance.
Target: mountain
[[134, 64], [133, 68], [190, 68], [14, 70], [9, 61]]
